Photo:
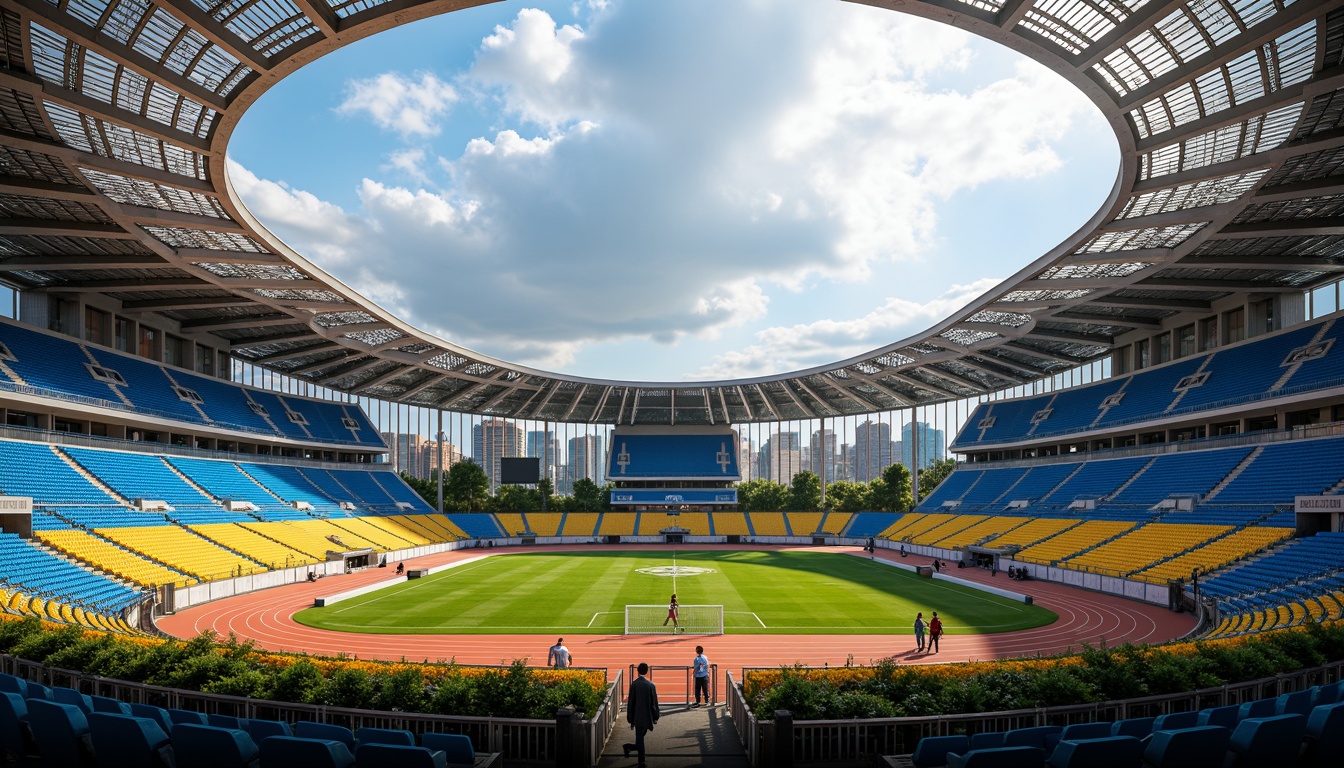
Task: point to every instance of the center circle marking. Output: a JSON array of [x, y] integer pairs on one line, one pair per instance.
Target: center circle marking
[[674, 570]]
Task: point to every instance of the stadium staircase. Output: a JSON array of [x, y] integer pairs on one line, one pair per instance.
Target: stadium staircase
[[89, 476], [1237, 470], [684, 738]]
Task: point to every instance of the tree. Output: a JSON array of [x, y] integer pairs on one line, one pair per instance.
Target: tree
[[848, 496], [546, 492], [762, 496], [934, 474], [891, 491], [466, 487], [805, 492], [427, 489], [516, 498], [589, 497]]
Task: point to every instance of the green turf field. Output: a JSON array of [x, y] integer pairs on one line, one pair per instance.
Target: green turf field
[[786, 592]]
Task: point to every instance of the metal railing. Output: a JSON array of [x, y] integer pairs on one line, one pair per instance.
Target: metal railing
[[80, 440], [687, 683], [521, 741], [845, 742]]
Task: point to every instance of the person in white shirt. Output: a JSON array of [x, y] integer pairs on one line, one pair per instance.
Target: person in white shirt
[[700, 670], [559, 656]]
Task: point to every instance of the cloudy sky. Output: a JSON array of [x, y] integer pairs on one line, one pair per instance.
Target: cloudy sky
[[673, 190]]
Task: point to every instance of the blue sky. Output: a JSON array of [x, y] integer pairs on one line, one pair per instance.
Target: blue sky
[[671, 191]]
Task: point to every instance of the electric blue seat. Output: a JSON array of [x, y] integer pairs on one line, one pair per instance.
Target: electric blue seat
[[1323, 694], [1259, 741], [1138, 727], [260, 730], [458, 749], [305, 729], [1221, 716], [377, 755], [38, 691], [71, 696], [1325, 735], [930, 752], [1200, 747], [1107, 752], [157, 714], [1081, 731], [62, 734], [1298, 703], [105, 704], [204, 746], [226, 721], [12, 684], [1258, 708], [127, 741], [1043, 737], [1002, 757], [291, 751], [1175, 721], [187, 716], [988, 740], [383, 736], [16, 737]]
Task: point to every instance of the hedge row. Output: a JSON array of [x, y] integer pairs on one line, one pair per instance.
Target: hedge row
[[887, 689], [239, 669]]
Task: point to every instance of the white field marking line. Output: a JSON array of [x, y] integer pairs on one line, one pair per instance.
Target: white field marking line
[[674, 572], [1013, 604], [747, 613], [600, 613], [354, 602]]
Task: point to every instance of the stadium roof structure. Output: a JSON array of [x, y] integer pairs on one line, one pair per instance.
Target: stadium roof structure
[[115, 116]]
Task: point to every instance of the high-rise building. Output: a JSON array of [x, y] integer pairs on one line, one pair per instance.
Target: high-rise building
[[872, 450], [749, 463], [546, 447], [781, 457], [587, 459], [932, 444], [492, 440], [824, 459]]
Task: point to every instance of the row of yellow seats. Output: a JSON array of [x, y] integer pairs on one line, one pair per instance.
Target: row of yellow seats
[[1072, 541], [982, 528], [1235, 546], [256, 545], [183, 550], [915, 523], [945, 529], [113, 559], [1144, 546], [54, 610], [1032, 532], [435, 526]]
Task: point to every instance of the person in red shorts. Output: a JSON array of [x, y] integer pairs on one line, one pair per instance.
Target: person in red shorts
[[672, 614]]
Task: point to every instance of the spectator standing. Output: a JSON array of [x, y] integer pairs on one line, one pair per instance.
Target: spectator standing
[[559, 657], [919, 631], [935, 631], [641, 711], [700, 671]]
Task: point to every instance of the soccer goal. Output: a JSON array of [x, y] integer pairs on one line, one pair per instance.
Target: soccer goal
[[691, 620]]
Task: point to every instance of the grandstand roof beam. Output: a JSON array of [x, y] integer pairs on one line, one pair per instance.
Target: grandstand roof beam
[[1323, 187], [317, 365], [550, 392], [634, 410], [448, 401], [914, 382], [62, 228], [601, 403], [1287, 263], [1220, 286], [90, 107], [261, 341], [844, 387], [1329, 225], [797, 400], [498, 398], [955, 378], [261, 283], [1001, 330], [1079, 283], [1156, 303], [211, 325], [75, 158], [745, 403], [1086, 338], [768, 404], [422, 386], [167, 218], [185, 302], [213, 256], [577, 397], [1200, 215], [70, 27], [321, 14], [79, 263], [187, 13], [290, 354], [364, 366], [1042, 354], [134, 286], [1012, 375], [871, 380], [319, 305], [672, 406], [1124, 31], [1251, 38], [723, 403], [802, 384], [383, 378], [1125, 320], [1324, 140], [25, 187], [1012, 12], [620, 412], [1117, 257]]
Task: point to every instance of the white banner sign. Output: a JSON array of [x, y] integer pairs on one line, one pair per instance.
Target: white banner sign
[[1318, 503], [16, 505]]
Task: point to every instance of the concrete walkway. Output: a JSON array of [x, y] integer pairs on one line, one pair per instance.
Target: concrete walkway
[[684, 738]]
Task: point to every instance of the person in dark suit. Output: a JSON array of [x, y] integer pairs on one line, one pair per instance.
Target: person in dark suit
[[641, 711]]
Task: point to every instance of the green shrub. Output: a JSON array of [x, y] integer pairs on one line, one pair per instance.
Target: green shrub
[[300, 682], [402, 691], [248, 682], [353, 688]]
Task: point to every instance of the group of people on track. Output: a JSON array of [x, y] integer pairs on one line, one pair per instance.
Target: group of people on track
[[933, 629]]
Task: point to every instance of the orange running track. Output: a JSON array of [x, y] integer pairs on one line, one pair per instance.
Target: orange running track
[[1084, 617]]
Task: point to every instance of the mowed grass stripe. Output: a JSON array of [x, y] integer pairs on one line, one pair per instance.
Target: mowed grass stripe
[[792, 592]]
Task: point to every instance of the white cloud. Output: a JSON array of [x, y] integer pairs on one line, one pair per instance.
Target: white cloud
[[398, 103], [789, 348], [670, 173]]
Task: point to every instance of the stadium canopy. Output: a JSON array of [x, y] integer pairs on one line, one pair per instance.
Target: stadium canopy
[[117, 114]]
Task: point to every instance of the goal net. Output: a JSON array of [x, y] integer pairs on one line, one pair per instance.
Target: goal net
[[691, 620]]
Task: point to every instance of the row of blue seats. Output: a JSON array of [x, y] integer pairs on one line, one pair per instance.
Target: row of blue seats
[[1298, 560], [672, 456], [1306, 727], [41, 574], [52, 362], [1251, 370], [64, 727], [1278, 473]]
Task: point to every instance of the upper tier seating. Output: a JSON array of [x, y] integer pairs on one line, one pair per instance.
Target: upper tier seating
[[223, 480], [480, 526], [139, 476], [1243, 372], [1297, 560], [659, 457], [60, 366], [34, 469], [1285, 470]]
